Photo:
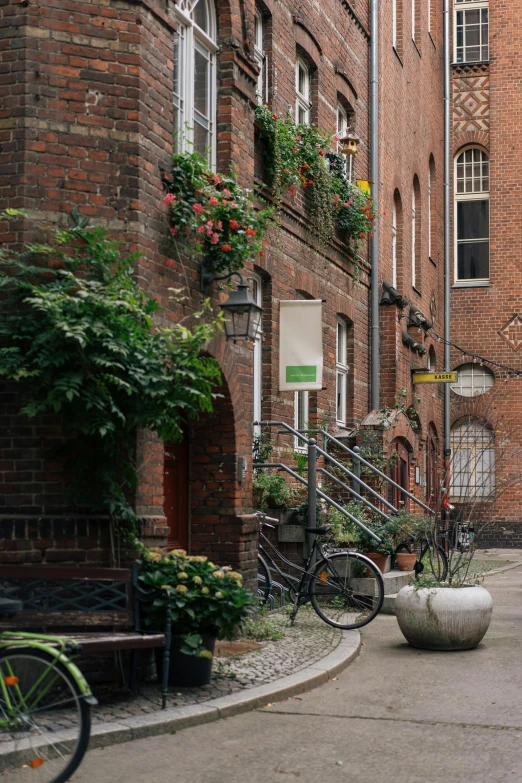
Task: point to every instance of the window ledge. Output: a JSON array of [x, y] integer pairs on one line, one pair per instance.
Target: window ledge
[[417, 290], [398, 55], [431, 39], [432, 261], [471, 284], [414, 42]]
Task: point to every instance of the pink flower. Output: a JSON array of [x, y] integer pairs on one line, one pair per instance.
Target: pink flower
[[225, 202], [169, 198], [210, 223], [202, 229], [226, 193], [199, 208], [170, 263], [213, 201], [219, 225], [336, 138], [233, 204], [216, 179], [174, 231], [215, 239], [209, 232]]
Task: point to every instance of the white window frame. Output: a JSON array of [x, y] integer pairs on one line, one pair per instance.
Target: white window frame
[[302, 103], [413, 239], [341, 371], [474, 195], [394, 244], [472, 380], [461, 6], [429, 17], [193, 39], [260, 57], [342, 130], [394, 24], [473, 457], [257, 294]]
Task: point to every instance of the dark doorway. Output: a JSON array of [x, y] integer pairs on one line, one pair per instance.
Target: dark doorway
[[400, 474], [175, 492]]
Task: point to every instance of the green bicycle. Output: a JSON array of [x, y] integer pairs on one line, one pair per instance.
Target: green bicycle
[[45, 705]]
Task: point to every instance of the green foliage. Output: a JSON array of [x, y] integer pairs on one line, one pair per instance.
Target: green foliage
[[344, 532], [272, 491], [79, 333], [215, 212], [367, 544], [204, 598], [262, 629], [298, 156]]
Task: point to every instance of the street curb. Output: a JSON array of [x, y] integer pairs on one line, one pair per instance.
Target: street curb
[[175, 719], [508, 567]]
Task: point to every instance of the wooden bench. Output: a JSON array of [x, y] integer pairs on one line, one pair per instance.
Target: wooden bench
[[104, 603]]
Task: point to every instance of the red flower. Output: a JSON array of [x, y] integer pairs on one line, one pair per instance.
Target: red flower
[[265, 241], [287, 171], [321, 153], [226, 247], [174, 231], [274, 116], [370, 235], [361, 234], [295, 149], [250, 232], [298, 138], [233, 224], [199, 208], [261, 252], [306, 166], [169, 198], [170, 263], [216, 179]]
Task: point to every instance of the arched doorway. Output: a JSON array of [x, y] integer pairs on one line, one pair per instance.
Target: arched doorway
[[176, 493], [400, 473]]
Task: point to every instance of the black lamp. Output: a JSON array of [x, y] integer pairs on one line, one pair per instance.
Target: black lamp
[[242, 313]]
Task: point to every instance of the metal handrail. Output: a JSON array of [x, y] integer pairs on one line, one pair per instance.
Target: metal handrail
[[349, 489], [320, 493]]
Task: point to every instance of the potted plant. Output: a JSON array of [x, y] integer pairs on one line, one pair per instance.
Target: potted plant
[[450, 615], [379, 553], [207, 602], [406, 529], [271, 491]]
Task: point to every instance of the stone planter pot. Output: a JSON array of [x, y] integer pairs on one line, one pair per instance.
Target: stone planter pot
[[406, 560], [444, 618], [383, 562]]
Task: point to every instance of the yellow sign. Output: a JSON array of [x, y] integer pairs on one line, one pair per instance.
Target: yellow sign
[[365, 185], [434, 377]]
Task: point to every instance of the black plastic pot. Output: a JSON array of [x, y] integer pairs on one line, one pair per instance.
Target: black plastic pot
[[189, 671]]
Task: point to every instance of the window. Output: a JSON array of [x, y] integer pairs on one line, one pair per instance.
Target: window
[[194, 82], [429, 212], [432, 358], [429, 17], [416, 236], [342, 130], [341, 372], [394, 24], [394, 244], [431, 208], [302, 88], [473, 460], [397, 240], [257, 293], [471, 31], [473, 380], [260, 57], [415, 21], [472, 216]]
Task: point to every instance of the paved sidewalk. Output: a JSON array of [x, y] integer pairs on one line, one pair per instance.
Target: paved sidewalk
[[397, 715]]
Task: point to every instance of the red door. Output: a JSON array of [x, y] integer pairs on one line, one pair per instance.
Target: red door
[[175, 491], [401, 475]]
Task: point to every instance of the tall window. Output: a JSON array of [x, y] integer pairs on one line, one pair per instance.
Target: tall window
[[416, 235], [302, 88], [415, 21], [394, 244], [260, 57], [473, 460], [341, 372], [194, 93], [342, 130], [429, 17], [471, 31], [472, 216], [431, 208], [394, 24], [257, 293]]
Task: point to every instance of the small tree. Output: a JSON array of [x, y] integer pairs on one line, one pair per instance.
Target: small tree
[[78, 333]]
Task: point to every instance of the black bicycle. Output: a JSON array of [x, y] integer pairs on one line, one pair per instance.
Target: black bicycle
[[345, 588], [431, 558]]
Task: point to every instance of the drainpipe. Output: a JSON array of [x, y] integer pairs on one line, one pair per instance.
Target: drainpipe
[[447, 215], [374, 169]]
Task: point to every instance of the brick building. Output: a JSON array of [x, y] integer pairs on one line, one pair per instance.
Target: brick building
[[91, 94], [485, 297]]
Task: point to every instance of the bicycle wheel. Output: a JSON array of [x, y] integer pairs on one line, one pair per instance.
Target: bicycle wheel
[[264, 580], [44, 721], [347, 590], [434, 562]]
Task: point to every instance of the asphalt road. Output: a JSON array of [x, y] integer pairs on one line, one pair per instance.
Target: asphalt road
[[396, 715]]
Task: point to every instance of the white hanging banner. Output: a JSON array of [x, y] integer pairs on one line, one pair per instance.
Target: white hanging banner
[[301, 345]]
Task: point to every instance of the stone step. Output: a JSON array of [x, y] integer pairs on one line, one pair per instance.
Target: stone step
[[388, 606], [394, 580]]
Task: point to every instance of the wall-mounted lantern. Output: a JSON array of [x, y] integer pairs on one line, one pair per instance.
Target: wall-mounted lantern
[[242, 313]]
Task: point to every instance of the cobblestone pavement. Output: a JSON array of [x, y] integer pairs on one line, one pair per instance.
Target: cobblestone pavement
[[307, 642]]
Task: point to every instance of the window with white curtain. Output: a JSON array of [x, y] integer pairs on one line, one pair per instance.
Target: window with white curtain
[[472, 461], [302, 88], [472, 216], [260, 56], [341, 372], [257, 293], [471, 31], [194, 82]]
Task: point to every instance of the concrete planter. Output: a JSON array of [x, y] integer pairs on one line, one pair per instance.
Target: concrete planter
[[444, 618]]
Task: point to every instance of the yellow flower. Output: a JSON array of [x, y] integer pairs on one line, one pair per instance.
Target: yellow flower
[[219, 574], [182, 575], [197, 558], [182, 589], [235, 575], [205, 654], [197, 580], [219, 595], [205, 590], [165, 587], [154, 557], [177, 553]]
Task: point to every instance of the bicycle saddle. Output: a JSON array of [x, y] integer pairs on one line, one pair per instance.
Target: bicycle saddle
[[320, 531]]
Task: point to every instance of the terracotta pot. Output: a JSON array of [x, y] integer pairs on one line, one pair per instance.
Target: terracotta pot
[[406, 560], [381, 561]]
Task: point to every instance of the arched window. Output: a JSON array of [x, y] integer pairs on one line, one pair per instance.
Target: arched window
[[432, 358], [472, 460], [473, 380], [194, 95], [472, 216], [397, 240], [416, 235], [341, 371]]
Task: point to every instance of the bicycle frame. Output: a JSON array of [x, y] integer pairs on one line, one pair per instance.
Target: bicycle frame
[[55, 647]]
